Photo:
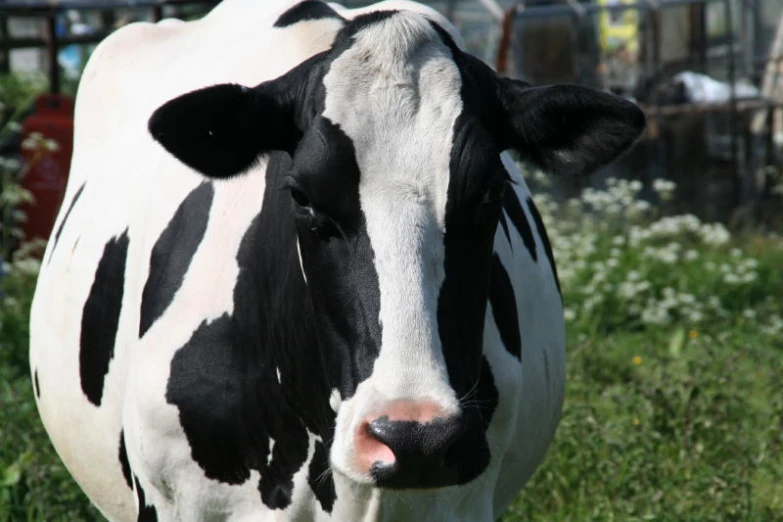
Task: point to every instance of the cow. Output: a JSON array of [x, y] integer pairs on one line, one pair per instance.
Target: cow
[[296, 274]]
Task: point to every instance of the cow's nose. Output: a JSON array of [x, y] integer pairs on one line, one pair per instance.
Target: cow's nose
[[414, 454]]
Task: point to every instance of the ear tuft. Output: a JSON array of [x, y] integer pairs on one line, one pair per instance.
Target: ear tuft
[[222, 130]]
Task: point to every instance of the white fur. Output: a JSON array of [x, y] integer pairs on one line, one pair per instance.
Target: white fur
[[400, 74]]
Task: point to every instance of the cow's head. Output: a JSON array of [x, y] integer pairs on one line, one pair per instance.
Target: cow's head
[[395, 193]]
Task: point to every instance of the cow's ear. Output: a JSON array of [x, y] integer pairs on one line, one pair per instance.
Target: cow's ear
[[566, 129], [221, 131]]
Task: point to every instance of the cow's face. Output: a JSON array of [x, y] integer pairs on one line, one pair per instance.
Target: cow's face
[[395, 193]]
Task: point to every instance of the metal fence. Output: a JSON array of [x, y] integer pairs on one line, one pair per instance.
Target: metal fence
[[719, 144], [637, 48], [50, 12]]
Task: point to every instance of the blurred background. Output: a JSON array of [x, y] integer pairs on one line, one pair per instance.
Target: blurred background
[[671, 259]]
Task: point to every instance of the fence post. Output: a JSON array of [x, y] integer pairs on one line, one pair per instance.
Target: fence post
[[5, 51], [52, 51]]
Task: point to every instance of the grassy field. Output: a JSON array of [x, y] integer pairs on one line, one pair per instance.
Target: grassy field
[[667, 426], [665, 423]]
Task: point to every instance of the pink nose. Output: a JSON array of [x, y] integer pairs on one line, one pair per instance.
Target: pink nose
[[406, 443]]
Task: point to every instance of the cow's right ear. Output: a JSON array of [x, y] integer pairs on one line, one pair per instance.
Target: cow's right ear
[[221, 131]]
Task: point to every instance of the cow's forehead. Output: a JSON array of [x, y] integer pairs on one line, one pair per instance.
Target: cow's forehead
[[396, 93]]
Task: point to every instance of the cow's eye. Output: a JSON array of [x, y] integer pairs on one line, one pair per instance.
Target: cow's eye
[[495, 193], [299, 197]]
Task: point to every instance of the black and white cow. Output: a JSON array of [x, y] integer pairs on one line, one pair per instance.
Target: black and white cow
[[325, 297]]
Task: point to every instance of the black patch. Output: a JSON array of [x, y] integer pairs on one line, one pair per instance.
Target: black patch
[[471, 224], [172, 254], [306, 11], [101, 316], [544, 239], [35, 384], [488, 393], [504, 308], [146, 513], [203, 384], [65, 218], [516, 213], [224, 379], [335, 246], [319, 477], [124, 464]]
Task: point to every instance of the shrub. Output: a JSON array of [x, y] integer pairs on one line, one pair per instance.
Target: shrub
[[625, 264]]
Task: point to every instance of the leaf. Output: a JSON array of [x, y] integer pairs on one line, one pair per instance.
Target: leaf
[[12, 475], [676, 343]]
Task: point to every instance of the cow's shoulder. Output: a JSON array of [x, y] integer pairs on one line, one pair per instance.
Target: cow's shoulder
[[121, 50]]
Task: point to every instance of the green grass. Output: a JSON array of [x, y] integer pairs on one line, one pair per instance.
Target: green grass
[[694, 432], [662, 426], [34, 485]]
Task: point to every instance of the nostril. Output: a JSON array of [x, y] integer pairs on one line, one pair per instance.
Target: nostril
[[371, 450]]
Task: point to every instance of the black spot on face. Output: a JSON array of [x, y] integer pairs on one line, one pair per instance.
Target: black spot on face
[[224, 380], [516, 213], [337, 254], [146, 513], [65, 218], [172, 254], [319, 478], [306, 11], [36, 388], [124, 464], [545, 240], [101, 316], [504, 308], [472, 214]]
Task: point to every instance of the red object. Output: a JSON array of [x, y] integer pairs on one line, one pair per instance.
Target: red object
[[47, 171]]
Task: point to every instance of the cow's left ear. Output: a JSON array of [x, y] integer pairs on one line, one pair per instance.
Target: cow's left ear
[[222, 130], [566, 129]]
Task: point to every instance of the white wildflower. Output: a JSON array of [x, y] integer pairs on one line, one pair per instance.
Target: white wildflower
[[655, 315], [714, 234], [28, 266], [664, 187]]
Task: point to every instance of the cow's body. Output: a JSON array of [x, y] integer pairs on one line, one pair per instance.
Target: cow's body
[[154, 277]]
